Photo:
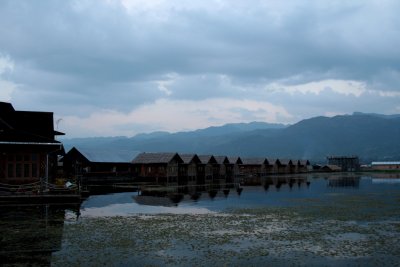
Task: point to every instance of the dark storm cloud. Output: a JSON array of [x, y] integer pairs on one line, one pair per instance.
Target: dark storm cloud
[[123, 54]]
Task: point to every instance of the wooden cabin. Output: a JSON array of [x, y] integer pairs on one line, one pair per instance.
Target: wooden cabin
[[233, 170], [221, 169], [252, 170], [302, 166], [157, 167], [206, 169], [28, 146], [188, 169], [96, 166], [285, 166], [270, 166]]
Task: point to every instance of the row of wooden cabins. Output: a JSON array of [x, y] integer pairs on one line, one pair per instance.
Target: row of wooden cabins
[[176, 168], [30, 152]]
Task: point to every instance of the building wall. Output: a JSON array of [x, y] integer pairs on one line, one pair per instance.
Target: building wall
[[24, 164], [350, 163], [386, 167]]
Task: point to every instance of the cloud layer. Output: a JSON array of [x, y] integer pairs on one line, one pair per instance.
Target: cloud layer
[[133, 66]]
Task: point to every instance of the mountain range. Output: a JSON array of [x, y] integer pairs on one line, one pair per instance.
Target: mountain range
[[372, 137]]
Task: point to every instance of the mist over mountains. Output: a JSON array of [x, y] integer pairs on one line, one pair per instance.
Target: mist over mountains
[[370, 136]]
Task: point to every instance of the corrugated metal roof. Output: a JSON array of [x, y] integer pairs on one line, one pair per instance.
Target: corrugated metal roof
[[385, 163], [106, 156], [150, 158]]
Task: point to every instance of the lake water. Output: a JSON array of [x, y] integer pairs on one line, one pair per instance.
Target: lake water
[[307, 220]]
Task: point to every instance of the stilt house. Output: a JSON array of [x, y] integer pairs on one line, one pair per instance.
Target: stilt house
[[28, 148], [157, 167]]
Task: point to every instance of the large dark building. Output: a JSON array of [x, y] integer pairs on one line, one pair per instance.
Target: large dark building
[[346, 163], [28, 148]]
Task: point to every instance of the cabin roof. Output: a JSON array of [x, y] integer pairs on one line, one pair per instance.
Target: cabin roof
[[103, 156], [25, 126], [235, 160], [270, 161], [154, 158], [285, 161], [253, 161], [204, 159], [331, 167], [304, 162], [188, 158], [221, 159]]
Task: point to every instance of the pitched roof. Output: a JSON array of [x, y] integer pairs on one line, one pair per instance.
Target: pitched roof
[[235, 160], [221, 159], [150, 158], [253, 161], [95, 155], [270, 161], [285, 161], [304, 162], [207, 159], [188, 158], [106, 156], [20, 126], [331, 167]]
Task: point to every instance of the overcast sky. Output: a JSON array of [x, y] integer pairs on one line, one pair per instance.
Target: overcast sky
[[121, 67]]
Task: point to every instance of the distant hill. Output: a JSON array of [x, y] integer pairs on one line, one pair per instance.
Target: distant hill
[[370, 136]]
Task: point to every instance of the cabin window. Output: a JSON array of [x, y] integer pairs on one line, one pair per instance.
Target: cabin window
[[10, 169], [34, 169], [22, 166], [27, 170], [18, 170]]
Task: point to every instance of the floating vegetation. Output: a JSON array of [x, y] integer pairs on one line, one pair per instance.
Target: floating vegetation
[[302, 236], [316, 226]]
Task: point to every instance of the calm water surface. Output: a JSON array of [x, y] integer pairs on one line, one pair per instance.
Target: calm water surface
[[308, 220]]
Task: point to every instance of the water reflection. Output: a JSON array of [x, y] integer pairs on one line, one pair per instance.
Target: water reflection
[[344, 181], [30, 234]]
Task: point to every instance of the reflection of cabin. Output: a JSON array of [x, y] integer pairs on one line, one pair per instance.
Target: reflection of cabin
[[188, 169], [157, 167], [206, 168], [39, 233], [27, 145], [98, 166], [386, 166]]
